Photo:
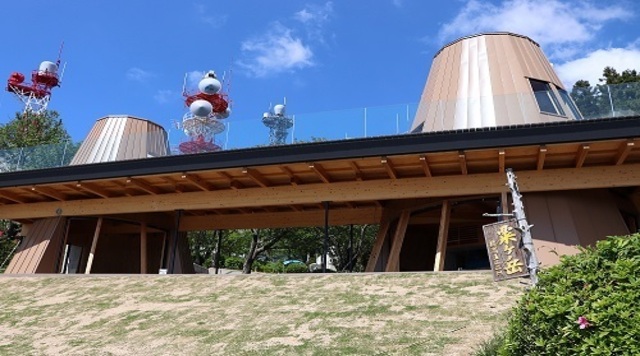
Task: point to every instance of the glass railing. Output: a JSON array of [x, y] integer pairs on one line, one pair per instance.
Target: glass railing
[[601, 101], [606, 101]]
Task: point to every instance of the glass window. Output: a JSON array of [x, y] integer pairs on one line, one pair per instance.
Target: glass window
[[569, 103], [547, 101]]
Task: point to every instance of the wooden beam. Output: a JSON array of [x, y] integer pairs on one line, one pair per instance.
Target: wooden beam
[[501, 159], [463, 162], [623, 152], [93, 189], [393, 264], [443, 234], [320, 172], [542, 154], [143, 248], [388, 166], [12, 197], [195, 180], [256, 177], [582, 155], [144, 186], [94, 244], [425, 165], [49, 192], [356, 170], [276, 219], [377, 245], [625, 175]]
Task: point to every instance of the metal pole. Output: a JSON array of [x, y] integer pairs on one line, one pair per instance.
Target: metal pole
[[365, 122], [613, 111], [523, 226], [218, 247], [325, 246], [350, 250]]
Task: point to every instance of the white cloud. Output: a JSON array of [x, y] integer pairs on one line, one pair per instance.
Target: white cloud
[[275, 52], [194, 77], [314, 18], [557, 25], [164, 96], [590, 66], [138, 75], [211, 18]]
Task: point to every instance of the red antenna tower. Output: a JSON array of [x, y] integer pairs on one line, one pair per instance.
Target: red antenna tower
[[36, 95]]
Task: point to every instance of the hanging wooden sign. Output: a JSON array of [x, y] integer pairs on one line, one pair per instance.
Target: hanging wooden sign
[[503, 242]]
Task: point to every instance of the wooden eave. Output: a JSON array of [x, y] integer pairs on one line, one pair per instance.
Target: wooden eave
[[358, 177]]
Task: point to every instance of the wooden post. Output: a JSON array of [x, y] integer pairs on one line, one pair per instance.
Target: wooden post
[[94, 244], [393, 264], [443, 233], [162, 251], [143, 248], [377, 245], [504, 204]]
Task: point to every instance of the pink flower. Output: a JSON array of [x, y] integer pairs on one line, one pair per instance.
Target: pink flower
[[583, 322]]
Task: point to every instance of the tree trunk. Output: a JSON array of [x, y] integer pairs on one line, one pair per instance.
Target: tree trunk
[[251, 256]]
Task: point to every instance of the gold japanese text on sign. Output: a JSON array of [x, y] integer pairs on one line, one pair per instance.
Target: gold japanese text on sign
[[507, 259]]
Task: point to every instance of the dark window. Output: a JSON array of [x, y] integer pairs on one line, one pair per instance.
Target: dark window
[[547, 101], [568, 102], [418, 128]]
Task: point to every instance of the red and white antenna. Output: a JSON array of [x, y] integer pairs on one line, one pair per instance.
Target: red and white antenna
[[208, 106], [36, 95]]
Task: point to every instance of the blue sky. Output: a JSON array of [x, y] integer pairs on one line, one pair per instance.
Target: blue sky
[[130, 57]]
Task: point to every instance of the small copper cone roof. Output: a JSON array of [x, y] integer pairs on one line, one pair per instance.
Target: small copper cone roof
[[116, 138]]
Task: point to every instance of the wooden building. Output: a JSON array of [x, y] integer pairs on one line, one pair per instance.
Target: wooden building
[[427, 190]]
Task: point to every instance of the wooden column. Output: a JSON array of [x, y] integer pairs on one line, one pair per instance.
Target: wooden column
[[443, 233], [162, 251], [393, 264], [94, 244], [504, 203], [377, 245], [143, 248]]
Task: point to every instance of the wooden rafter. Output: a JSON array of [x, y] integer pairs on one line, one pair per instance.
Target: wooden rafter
[[320, 171], [292, 177], [501, 159], [196, 181], [463, 162], [582, 155], [144, 186], [356, 170], [48, 192], [234, 184], [425, 165], [624, 151], [388, 166], [12, 197], [256, 177], [93, 189], [542, 154]]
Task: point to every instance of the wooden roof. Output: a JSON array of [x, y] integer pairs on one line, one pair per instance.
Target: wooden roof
[[286, 185]]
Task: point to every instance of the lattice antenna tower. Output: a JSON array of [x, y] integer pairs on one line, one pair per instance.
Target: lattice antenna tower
[[278, 123], [35, 96]]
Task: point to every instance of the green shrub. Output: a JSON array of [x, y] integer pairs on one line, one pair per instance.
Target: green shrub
[[271, 267], [600, 286], [233, 262], [296, 268]]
